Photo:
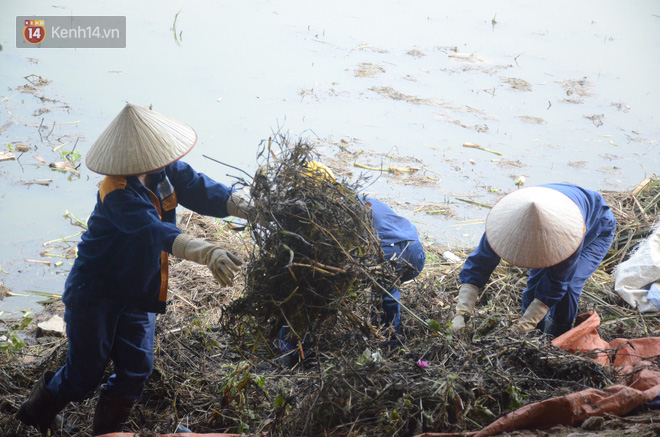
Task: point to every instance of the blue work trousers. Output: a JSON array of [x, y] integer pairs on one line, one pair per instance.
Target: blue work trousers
[[561, 316], [98, 331], [410, 259]]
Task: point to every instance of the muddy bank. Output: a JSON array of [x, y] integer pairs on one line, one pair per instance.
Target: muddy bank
[[210, 379]]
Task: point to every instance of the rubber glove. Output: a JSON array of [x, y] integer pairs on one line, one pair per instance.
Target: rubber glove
[[536, 311], [467, 299], [239, 206], [221, 262]]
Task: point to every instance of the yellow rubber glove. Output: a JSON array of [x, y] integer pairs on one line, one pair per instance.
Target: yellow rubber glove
[[535, 312], [221, 262], [467, 299]]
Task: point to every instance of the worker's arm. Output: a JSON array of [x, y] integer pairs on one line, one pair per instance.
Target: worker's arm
[[479, 265], [475, 274], [198, 192]]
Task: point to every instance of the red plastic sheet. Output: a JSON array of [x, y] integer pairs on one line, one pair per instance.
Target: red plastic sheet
[[184, 434], [639, 384]]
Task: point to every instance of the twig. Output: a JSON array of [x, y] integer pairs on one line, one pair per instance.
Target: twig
[[51, 130], [60, 146], [318, 269], [293, 234], [411, 312], [389, 169], [37, 261], [474, 203], [63, 239], [291, 255], [477, 146], [230, 166], [75, 221]]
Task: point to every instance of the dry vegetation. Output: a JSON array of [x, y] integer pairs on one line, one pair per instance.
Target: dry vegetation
[[215, 368]]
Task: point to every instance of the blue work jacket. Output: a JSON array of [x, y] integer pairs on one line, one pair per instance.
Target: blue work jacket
[[555, 284], [124, 252], [391, 227]]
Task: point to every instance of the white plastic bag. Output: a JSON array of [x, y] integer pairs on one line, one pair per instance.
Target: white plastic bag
[[635, 275]]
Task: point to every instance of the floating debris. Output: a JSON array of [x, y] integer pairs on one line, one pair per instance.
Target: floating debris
[[477, 146], [37, 261], [63, 166], [389, 169], [44, 182], [6, 155]]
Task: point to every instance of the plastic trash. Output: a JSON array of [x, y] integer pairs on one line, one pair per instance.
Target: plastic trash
[[653, 295]]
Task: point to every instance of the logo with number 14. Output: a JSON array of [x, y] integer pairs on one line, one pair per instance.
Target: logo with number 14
[[34, 31]]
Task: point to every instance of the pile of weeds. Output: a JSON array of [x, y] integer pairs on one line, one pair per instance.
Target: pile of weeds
[[315, 257]]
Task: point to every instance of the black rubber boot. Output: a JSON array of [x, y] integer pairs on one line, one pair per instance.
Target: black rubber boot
[[111, 414], [41, 406]]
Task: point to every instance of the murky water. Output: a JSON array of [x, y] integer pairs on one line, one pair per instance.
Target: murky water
[[565, 91]]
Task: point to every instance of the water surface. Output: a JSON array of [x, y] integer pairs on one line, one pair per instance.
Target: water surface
[[565, 91]]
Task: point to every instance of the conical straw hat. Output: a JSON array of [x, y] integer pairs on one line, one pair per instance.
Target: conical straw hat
[[535, 227], [138, 141]]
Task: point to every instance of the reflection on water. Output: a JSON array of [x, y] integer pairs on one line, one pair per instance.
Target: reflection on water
[[565, 92]]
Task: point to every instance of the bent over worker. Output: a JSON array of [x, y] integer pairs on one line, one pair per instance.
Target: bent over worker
[[400, 243], [119, 280], [560, 232]]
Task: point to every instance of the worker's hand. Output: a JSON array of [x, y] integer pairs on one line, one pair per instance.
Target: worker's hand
[[457, 323], [240, 206], [467, 299], [221, 262], [535, 312]]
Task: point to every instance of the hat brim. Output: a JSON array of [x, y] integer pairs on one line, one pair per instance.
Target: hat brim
[[139, 141]]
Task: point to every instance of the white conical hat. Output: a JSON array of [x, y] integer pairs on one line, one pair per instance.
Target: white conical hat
[[535, 227], [138, 141]]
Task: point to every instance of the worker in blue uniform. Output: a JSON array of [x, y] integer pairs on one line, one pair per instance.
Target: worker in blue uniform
[[560, 232], [401, 245], [118, 282]]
